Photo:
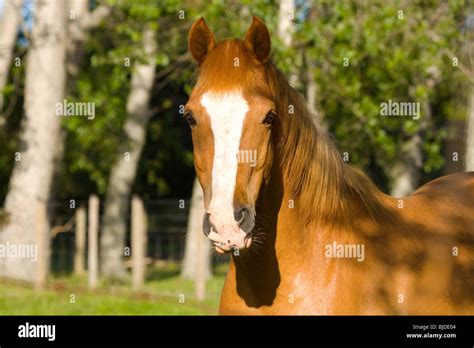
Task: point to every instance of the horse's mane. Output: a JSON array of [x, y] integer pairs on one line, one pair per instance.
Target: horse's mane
[[322, 184]]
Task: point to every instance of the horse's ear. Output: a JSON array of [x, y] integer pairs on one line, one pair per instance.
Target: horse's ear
[[257, 40], [200, 40]]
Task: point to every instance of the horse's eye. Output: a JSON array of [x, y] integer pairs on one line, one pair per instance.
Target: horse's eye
[[269, 118], [188, 116]]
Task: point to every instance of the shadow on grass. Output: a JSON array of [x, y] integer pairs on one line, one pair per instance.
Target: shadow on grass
[[163, 272]]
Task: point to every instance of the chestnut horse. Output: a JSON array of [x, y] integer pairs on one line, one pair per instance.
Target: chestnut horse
[[308, 233]]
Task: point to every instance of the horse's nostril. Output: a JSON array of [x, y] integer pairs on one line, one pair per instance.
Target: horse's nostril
[[206, 224], [242, 216], [239, 216], [245, 218]]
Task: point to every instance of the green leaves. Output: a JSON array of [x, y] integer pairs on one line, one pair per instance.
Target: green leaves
[[387, 57]]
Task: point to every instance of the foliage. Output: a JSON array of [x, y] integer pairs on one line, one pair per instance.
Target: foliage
[[112, 51], [390, 57], [395, 50]]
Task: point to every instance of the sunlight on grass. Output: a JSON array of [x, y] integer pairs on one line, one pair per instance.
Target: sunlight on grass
[[162, 295]]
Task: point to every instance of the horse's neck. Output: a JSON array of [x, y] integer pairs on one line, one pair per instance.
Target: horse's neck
[[284, 239], [280, 234], [259, 272]]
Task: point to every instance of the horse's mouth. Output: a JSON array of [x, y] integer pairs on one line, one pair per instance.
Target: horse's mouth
[[220, 250], [229, 246]]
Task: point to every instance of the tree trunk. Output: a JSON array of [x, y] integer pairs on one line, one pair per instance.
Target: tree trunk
[[311, 91], [124, 170], [31, 178], [469, 159], [81, 21], [405, 172], [312, 88], [196, 255], [9, 22], [286, 27]]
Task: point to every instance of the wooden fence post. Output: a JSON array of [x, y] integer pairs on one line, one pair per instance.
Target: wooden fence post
[[42, 241], [200, 271], [139, 242], [196, 264], [93, 247], [80, 240]]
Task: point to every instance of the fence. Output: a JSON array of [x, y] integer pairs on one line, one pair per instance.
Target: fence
[[166, 232]]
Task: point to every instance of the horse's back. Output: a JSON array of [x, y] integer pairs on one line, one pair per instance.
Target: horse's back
[[448, 202], [437, 221], [455, 188]]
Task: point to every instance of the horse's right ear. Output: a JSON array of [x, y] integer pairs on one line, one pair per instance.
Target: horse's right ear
[[200, 40]]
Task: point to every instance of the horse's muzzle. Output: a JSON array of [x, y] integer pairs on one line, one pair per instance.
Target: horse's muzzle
[[231, 236]]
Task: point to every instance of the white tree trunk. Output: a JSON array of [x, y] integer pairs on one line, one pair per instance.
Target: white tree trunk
[[81, 20], [312, 88], [196, 255], [124, 170], [78, 10], [31, 178], [286, 28], [9, 23], [469, 159], [405, 172]]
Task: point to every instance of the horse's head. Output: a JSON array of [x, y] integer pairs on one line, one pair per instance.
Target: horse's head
[[230, 112]]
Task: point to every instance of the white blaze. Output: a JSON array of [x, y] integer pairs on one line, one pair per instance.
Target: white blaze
[[227, 113]]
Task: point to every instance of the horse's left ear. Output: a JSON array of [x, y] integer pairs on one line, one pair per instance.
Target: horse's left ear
[[257, 40]]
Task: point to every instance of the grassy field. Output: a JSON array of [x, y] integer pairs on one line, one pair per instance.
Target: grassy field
[[162, 294]]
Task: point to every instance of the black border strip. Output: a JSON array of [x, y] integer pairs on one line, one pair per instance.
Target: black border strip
[[208, 330]]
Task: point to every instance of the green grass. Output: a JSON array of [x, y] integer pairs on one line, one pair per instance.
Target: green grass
[[161, 295]]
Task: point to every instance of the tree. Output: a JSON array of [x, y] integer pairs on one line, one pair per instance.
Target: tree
[[31, 179], [124, 170], [367, 55], [81, 21], [469, 73], [286, 27], [9, 23], [469, 161], [312, 88]]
